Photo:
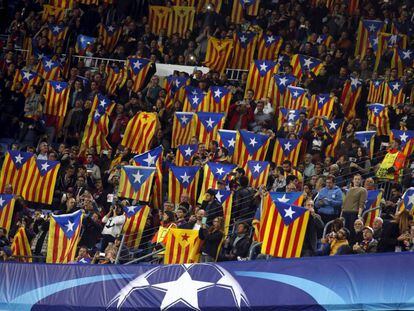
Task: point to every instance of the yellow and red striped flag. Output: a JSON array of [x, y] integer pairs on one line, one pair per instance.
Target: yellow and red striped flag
[[183, 246], [183, 128], [378, 116], [49, 69], [243, 50], [386, 42], [56, 98], [366, 29], [138, 69], [213, 173], [407, 200], [225, 198], [15, 170], [407, 140], [286, 149], [64, 236], [6, 211], [296, 98], [88, 2], [181, 20], [375, 91], [195, 99], [135, 221], [285, 230], [40, 184], [208, 124], [136, 182], [278, 87], [218, 53], [241, 7], [402, 59], [27, 79], [110, 36], [48, 10], [184, 154], [374, 198], [322, 105], [174, 87], [227, 139], [367, 139], [257, 172], [351, 94], [260, 75], [353, 7], [393, 93], [334, 128], [268, 47], [183, 180], [21, 247], [324, 39], [64, 4], [302, 64], [140, 131], [57, 33], [250, 146], [116, 78], [219, 98], [159, 18]]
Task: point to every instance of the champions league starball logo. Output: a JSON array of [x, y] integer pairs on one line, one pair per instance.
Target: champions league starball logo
[[186, 286]]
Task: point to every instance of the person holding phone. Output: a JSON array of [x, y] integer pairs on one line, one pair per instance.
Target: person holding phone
[[212, 238]]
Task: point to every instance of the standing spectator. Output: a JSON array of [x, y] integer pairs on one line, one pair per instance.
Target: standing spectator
[[113, 223], [212, 238], [212, 206], [315, 225], [354, 202], [329, 200]]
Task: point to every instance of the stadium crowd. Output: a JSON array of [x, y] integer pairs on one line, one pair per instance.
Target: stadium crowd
[[334, 188]]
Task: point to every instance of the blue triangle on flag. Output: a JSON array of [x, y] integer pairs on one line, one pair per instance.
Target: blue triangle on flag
[[257, 167], [5, 199], [184, 118], [264, 66], [138, 175], [45, 166], [228, 139], [288, 145], [68, 222], [137, 64], [184, 174], [19, 158], [210, 119], [219, 170], [285, 197], [222, 195], [131, 211], [253, 141], [149, 158], [188, 151], [290, 213], [218, 92]]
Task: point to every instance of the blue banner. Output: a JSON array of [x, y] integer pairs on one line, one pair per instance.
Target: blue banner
[[356, 282]]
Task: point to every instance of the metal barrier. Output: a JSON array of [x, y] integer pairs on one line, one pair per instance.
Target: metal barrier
[[145, 256], [253, 248], [235, 74], [370, 210], [95, 62]]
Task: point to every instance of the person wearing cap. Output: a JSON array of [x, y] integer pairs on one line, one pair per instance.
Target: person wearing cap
[[368, 244]]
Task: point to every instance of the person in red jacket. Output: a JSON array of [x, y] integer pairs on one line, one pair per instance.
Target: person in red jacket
[[240, 115]]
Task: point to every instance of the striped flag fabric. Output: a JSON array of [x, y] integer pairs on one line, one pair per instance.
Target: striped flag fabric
[[250, 146], [195, 99], [374, 198], [324, 39], [40, 184], [219, 99], [225, 198], [64, 4], [257, 172], [20, 247], [268, 46], [88, 2], [83, 44], [218, 53], [285, 230], [174, 87], [302, 64], [183, 246], [135, 221], [138, 69], [242, 7], [159, 18], [49, 69], [6, 211], [110, 36], [366, 29], [183, 180], [140, 131], [136, 182], [256, 224], [351, 94], [407, 200], [208, 124], [213, 173], [366, 138], [15, 170], [375, 91], [184, 154], [378, 116], [181, 20], [393, 93], [227, 139], [401, 59], [56, 12], [334, 128], [277, 89], [64, 236], [322, 105], [259, 78], [243, 51], [297, 98], [115, 78], [57, 33], [286, 149], [26, 78], [183, 128], [56, 98], [407, 140]]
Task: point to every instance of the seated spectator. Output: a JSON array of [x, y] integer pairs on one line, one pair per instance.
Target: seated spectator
[[356, 232], [395, 232], [195, 221], [368, 244], [212, 238], [238, 246], [377, 227]]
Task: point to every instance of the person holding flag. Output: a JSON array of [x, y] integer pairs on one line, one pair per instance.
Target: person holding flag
[[392, 165]]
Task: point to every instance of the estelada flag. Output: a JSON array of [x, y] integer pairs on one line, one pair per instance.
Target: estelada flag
[[158, 18], [138, 69], [49, 10], [181, 20], [219, 98], [322, 105], [218, 53], [183, 128], [64, 236], [378, 116], [287, 115], [374, 198], [387, 42], [183, 246], [110, 36], [27, 79], [366, 29], [243, 51], [277, 89], [6, 211], [351, 94], [260, 76], [401, 59], [227, 139], [250, 146], [366, 138], [376, 89], [140, 131], [15, 170], [302, 64], [56, 98], [334, 128], [268, 47], [393, 93], [64, 4], [174, 87], [241, 8], [57, 33], [194, 99], [116, 78], [286, 149], [183, 180], [407, 200], [213, 173], [225, 198], [296, 98], [407, 140], [21, 247], [136, 182], [83, 44], [49, 69], [184, 154], [135, 221], [257, 172], [285, 230], [40, 184], [207, 125]]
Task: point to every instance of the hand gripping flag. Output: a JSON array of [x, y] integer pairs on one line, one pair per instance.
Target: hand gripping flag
[[407, 200], [250, 146], [181, 20], [393, 93], [213, 173], [15, 170], [351, 94], [21, 247], [83, 44], [6, 211], [227, 139], [374, 198], [375, 91], [303, 64], [244, 47], [366, 138], [136, 182], [110, 36], [334, 128], [219, 98], [183, 128], [285, 230], [64, 235], [218, 53], [286, 149], [260, 76], [183, 180], [56, 98], [195, 99], [257, 172], [241, 8], [366, 29], [138, 69], [136, 219], [182, 246], [184, 154], [159, 18], [40, 184], [140, 131], [277, 89], [296, 98], [225, 198], [268, 47], [208, 124], [407, 140], [378, 116]]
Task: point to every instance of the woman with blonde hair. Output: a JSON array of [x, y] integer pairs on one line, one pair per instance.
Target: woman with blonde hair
[[212, 238], [395, 232]]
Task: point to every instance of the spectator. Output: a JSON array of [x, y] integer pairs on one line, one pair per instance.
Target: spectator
[[238, 245], [394, 232], [212, 238], [113, 222], [368, 244], [377, 227], [329, 200], [212, 206], [315, 225], [354, 202]]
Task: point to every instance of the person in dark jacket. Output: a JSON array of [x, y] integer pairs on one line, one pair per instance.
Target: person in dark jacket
[[394, 232], [238, 245], [212, 238], [315, 225], [243, 201], [91, 231], [212, 206]]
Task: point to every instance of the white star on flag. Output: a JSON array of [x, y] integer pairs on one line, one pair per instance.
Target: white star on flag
[[372, 28], [27, 75], [308, 62], [184, 119], [69, 226], [111, 28], [377, 83], [253, 141], [376, 110], [396, 86], [321, 100], [188, 151], [45, 166], [283, 81], [56, 29], [287, 146], [295, 94], [332, 125], [150, 159], [137, 64], [257, 168], [195, 99], [210, 122], [177, 83], [291, 117], [243, 39], [18, 158], [217, 93], [393, 39], [1, 201], [283, 199], [354, 82], [319, 40], [231, 142], [102, 103], [219, 196], [289, 212], [406, 54], [137, 177], [404, 137], [263, 67], [131, 209], [365, 143], [410, 200], [270, 39], [220, 171], [185, 178]]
